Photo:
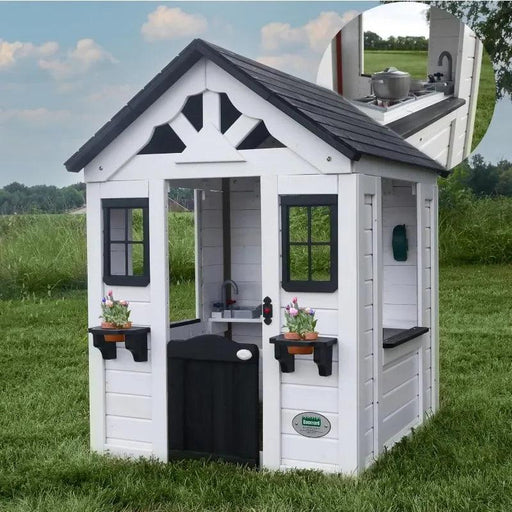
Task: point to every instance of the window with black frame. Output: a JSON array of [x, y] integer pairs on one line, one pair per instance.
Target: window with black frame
[[309, 243], [126, 241]]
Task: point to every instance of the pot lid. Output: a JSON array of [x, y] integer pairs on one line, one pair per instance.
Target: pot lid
[[391, 73]]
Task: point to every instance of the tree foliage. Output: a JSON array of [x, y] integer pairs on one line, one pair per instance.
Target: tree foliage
[[373, 41], [476, 178], [18, 198], [492, 23]]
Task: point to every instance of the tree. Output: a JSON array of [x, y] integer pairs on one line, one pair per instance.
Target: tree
[[492, 23], [372, 41], [18, 198], [483, 177]]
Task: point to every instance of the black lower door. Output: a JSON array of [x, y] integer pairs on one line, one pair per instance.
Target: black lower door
[[213, 405]]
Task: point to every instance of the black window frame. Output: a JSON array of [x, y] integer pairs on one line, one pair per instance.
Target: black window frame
[[287, 201], [126, 204]]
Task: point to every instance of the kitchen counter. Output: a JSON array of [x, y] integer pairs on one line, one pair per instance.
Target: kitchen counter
[[413, 123]]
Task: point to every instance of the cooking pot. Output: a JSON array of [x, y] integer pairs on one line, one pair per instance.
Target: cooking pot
[[391, 84]]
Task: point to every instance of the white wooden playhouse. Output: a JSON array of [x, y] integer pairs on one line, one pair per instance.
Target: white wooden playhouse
[[254, 143], [438, 122]]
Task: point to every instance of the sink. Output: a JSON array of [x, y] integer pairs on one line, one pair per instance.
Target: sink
[[243, 312], [446, 87]]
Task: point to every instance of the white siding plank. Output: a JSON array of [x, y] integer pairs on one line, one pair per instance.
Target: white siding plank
[[320, 450], [129, 406], [134, 383], [131, 429], [309, 398]]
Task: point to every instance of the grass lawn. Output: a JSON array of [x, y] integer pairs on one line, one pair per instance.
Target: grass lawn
[[459, 461]]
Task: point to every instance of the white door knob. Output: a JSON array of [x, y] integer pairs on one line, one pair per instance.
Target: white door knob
[[244, 354]]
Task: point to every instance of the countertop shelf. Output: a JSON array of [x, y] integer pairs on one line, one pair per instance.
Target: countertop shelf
[[395, 337], [236, 320]]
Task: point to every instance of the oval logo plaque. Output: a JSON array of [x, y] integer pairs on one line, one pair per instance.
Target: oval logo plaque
[[311, 424]]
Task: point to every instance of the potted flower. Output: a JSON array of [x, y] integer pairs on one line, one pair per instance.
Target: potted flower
[[115, 315], [301, 325]]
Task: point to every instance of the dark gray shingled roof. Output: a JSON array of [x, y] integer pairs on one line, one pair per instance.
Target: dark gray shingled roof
[[323, 112]]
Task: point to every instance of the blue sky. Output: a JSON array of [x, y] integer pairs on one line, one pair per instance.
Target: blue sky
[[67, 67]]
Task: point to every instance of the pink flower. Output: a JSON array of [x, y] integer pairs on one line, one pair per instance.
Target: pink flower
[[123, 303], [109, 303], [110, 293], [294, 300], [294, 312]]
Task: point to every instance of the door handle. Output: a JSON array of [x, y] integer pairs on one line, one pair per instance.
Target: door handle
[[267, 310]]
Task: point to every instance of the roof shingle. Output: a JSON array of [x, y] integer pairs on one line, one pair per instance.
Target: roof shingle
[[322, 111]]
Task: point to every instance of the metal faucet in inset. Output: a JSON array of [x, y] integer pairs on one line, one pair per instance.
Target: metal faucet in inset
[[440, 62], [223, 290]]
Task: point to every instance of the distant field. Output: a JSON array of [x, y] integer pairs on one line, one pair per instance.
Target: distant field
[[45, 253], [416, 64]]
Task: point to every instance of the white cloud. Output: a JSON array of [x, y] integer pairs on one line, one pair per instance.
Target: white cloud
[[276, 35], [296, 49], [36, 116], [321, 30], [315, 34], [172, 23], [80, 59], [10, 53]]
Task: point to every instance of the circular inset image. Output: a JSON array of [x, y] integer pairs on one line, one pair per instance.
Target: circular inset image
[[419, 71]]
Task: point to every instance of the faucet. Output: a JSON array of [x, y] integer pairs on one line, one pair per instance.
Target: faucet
[[223, 290], [440, 62]]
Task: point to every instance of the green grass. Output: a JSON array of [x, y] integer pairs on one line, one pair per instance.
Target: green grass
[[416, 64], [41, 252], [46, 252], [476, 231], [182, 301], [458, 462]]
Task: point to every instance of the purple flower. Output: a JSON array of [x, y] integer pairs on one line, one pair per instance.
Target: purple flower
[[288, 307], [311, 312], [103, 300], [294, 312]]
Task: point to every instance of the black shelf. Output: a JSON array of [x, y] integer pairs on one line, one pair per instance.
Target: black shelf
[[322, 353], [136, 341], [395, 337]]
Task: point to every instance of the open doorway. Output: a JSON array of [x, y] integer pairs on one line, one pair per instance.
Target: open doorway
[[183, 254]]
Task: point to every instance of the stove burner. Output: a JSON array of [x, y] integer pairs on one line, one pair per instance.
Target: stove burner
[[385, 104]]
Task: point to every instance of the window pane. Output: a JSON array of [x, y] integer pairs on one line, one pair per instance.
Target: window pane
[[320, 224], [321, 263], [136, 259], [117, 260], [298, 263], [135, 227], [298, 219], [117, 220]]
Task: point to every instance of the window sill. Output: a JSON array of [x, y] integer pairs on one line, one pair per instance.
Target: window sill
[[181, 323], [395, 337]]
